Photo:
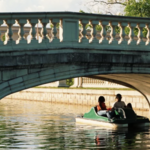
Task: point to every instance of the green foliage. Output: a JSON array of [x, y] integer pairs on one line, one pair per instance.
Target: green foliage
[[140, 8], [145, 31], [52, 26], [117, 29], [98, 28], [135, 8], [81, 11], [108, 28], [135, 31], [3, 38], [70, 82], [88, 27], [80, 26], [127, 30]]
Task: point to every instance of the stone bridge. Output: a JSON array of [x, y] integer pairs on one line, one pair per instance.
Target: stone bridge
[[73, 50]]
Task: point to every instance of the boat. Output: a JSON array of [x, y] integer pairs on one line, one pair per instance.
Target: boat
[[140, 122], [124, 118]]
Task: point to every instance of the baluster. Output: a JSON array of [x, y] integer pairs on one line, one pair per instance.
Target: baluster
[[21, 23], [122, 34], [61, 30], [148, 35], [140, 40], [45, 40], [91, 31], [131, 34], [9, 24], [103, 32], [55, 22], [39, 32], [112, 33], [30, 34], [1, 42], [6, 35], [80, 31], [33, 22], [84, 39], [19, 31], [94, 32]]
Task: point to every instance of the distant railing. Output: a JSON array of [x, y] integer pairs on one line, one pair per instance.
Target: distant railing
[[86, 82], [89, 82], [69, 29]]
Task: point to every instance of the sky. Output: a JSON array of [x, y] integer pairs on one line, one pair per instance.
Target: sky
[[40, 5], [56, 5]]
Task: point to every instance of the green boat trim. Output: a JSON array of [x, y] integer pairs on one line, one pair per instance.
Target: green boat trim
[[125, 118], [93, 115], [130, 116]]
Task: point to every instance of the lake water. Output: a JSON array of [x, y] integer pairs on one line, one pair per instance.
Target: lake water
[[36, 126]]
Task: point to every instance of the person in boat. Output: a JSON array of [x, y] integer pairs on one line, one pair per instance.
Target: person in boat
[[119, 103], [129, 105], [101, 103], [101, 107]]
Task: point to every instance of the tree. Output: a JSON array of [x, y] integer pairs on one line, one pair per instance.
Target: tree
[[81, 11], [140, 8], [106, 6], [135, 8], [70, 82]]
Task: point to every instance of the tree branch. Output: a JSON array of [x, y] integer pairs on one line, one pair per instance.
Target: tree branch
[[107, 3]]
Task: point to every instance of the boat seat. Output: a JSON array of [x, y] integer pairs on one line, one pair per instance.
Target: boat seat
[[95, 108], [104, 115], [130, 114], [119, 112]]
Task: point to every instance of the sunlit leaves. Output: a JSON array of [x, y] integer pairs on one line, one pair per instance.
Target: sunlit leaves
[[140, 8], [70, 82]]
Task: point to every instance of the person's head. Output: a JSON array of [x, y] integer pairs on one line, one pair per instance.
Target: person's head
[[101, 99], [129, 105], [118, 97]]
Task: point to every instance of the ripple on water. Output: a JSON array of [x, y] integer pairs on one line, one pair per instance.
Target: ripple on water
[[36, 125]]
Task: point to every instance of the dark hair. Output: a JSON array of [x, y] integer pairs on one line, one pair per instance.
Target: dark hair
[[118, 96], [101, 99], [129, 105]]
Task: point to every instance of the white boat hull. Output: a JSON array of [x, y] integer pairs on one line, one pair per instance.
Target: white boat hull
[[99, 123]]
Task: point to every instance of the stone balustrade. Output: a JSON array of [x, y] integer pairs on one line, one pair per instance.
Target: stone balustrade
[[96, 83], [69, 30], [85, 82]]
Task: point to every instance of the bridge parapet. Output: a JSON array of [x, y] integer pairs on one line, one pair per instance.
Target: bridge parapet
[[73, 31]]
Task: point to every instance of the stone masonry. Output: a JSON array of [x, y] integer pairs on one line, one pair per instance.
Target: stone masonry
[[81, 96]]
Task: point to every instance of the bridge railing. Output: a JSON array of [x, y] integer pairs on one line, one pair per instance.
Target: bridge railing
[[77, 30]]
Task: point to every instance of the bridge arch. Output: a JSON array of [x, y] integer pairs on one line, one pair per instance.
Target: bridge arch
[[116, 74], [69, 53]]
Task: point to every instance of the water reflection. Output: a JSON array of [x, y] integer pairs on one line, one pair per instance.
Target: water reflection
[[37, 125]]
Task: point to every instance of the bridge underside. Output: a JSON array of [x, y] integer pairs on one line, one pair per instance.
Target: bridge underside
[[36, 75], [139, 82], [26, 69]]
